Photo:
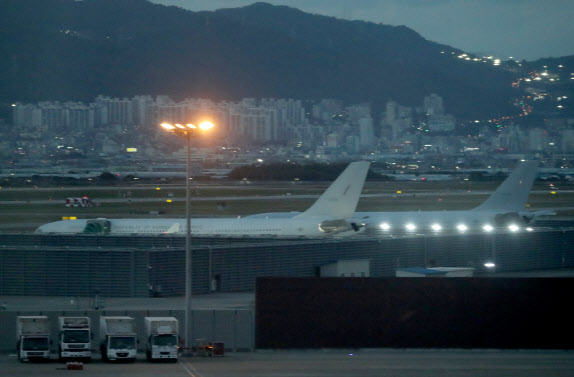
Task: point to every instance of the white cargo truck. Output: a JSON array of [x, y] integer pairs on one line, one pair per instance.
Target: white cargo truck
[[33, 334], [118, 338], [161, 338], [75, 338]]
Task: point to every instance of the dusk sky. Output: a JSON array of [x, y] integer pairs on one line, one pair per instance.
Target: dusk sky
[[523, 29]]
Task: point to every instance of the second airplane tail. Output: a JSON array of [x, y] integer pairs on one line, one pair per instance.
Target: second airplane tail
[[512, 194]]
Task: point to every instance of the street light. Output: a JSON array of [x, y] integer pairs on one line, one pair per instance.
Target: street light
[[187, 131]]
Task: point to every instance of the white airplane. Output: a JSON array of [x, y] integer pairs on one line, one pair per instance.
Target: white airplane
[[504, 208], [331, 214]]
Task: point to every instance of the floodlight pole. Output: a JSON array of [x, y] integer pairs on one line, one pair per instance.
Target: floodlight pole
[[180, 130], [188, 272]]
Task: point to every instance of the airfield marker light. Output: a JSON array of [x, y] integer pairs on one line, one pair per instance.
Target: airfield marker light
[[385, 226], [529, 229], [410, 227], [489, 265], [462, 227], [488, 228], [513, 228], [168, 201], [436, 227]]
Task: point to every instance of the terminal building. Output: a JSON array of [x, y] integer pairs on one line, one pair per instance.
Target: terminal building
[[343, 291]]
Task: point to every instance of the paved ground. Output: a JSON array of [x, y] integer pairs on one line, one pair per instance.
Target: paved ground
[[323, 363]]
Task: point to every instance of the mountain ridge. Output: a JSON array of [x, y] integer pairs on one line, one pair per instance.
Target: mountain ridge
[[75, 50]]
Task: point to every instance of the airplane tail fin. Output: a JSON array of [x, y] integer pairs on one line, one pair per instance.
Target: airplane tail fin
[[513, 193], [340, 200]]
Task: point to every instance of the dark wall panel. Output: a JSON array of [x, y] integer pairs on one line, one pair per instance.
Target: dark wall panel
[[414, 312]]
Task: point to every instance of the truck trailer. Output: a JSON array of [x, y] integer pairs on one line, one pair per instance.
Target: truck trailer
[[161, 338], [75, 338], [118, 339], [33, 333]]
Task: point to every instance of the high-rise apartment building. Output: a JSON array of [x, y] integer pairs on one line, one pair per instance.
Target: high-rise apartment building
[[433, 105]]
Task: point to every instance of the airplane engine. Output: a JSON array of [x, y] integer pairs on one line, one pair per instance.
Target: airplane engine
[[527, 218], [505, 219], [338, 226], [99, 226]]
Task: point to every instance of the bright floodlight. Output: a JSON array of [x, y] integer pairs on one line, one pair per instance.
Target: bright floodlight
[[513, 228], [410, 226], [489, 265], [179, 125], [436, 227], [206, 126], [488, 228], [385, 226], [189, 125], [167, 126], [461, 227]]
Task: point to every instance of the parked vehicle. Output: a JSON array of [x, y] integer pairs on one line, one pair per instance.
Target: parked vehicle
[[75, 338], [33, 334], [161, 338], [118, 338]]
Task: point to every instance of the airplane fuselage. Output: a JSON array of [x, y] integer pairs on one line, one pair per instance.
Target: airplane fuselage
[[436, 221], [226, 227]]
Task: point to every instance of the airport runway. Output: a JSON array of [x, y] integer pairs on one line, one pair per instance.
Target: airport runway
[[268, 197], [325, 363]]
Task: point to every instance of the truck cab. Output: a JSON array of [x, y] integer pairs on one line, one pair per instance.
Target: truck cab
[[163, 346], [119, 347], [118, 337]]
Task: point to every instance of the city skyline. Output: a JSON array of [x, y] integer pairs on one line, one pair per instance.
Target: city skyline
[[522, 29], [327, 129]]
